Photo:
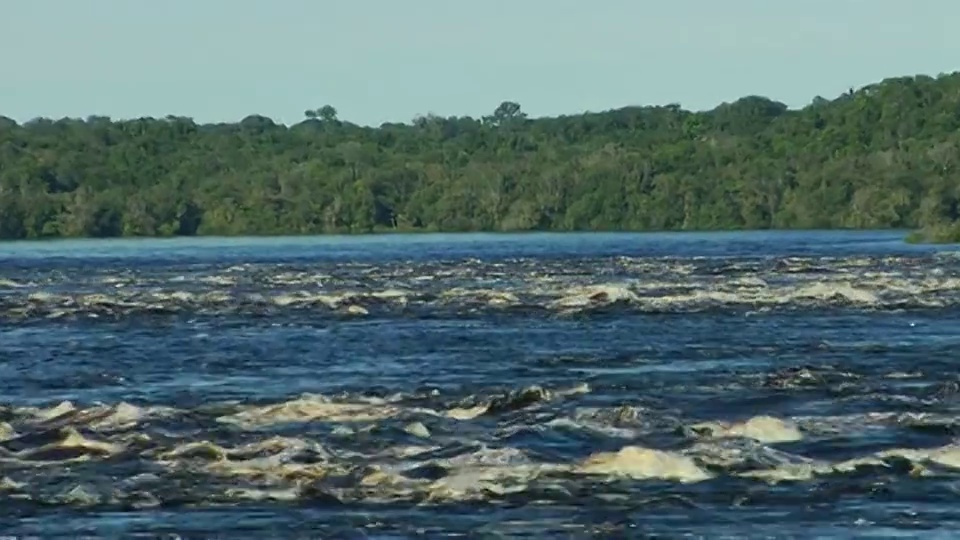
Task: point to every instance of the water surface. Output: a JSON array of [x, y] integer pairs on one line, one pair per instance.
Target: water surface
[[487, 386]]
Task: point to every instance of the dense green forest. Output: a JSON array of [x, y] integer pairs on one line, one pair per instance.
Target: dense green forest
[[884, 156]]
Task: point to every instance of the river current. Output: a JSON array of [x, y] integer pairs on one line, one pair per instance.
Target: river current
[[781, 385]]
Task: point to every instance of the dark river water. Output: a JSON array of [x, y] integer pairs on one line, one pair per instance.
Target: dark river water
[[781, 385]]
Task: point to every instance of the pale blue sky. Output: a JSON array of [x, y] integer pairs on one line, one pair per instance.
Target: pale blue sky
[[389, 60]]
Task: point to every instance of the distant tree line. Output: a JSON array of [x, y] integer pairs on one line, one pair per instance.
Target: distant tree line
[[884, 156]]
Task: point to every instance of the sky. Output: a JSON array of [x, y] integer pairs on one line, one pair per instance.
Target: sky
[[388, 61]]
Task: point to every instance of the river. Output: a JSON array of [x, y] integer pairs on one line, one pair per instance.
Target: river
[[715, 385]]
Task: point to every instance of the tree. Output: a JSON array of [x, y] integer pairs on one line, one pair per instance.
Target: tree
[[881, 156], [327, 114], [506, 112]]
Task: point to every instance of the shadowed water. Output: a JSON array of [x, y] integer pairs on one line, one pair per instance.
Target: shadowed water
[[484, 386]]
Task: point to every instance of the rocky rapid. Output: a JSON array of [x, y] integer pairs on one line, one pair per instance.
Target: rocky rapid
[[727, 386]]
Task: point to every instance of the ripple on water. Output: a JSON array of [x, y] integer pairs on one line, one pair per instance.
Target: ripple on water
[[590, 395]]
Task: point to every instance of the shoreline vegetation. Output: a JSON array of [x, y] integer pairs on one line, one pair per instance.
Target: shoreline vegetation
[[940, 233], [885, 156]]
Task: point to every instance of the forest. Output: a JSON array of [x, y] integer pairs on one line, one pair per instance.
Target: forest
[[883, 156]]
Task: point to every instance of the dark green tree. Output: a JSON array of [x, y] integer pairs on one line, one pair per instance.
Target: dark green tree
[[884, 156]]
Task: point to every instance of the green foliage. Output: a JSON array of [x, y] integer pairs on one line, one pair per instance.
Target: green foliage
[[941, 233], [885, 156]]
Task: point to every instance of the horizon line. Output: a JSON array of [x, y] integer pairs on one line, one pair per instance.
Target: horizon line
[[853, 90]]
